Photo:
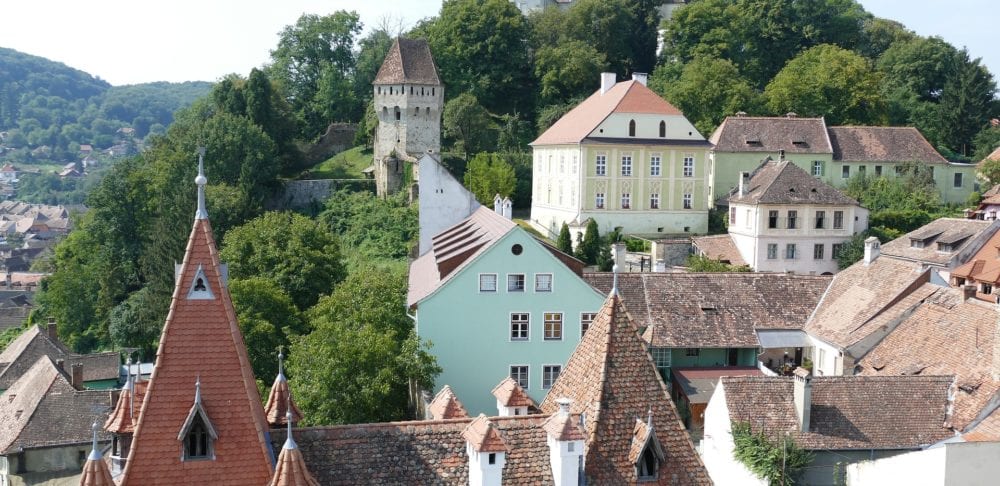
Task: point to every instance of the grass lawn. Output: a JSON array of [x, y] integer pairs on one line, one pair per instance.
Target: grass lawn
[[345, 165]]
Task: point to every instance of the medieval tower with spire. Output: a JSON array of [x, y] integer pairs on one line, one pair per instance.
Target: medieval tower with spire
[[409, 98]]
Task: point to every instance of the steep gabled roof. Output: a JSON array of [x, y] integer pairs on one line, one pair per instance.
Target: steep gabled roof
[[24, 351], [446, 405], [201, 341], [847, 412], [483, 436], [510, 394], [882, 144], [409, 61], [291, 468], [770, 134], [122, 419], [957, 233], [782, 182], [95, 470], [624, 97], [42, 409], [612, 381]]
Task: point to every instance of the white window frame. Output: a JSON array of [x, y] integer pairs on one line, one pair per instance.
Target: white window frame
[[845, 172], [817, 168], [524, 281], [538, 288], [586, 319], [654, 200], [822, 251], [772, 251], [527, 327], [601, 165], [626, 200], [688, 165], [687, 201], [547, 369], [527, 374], [654, 165], [791, 252], [662, 357], [546, 319], [599, 200], [495, 282], [959, 180], [626, 165], [838, 220]]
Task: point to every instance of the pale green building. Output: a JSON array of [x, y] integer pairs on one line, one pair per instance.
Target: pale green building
[[494, 301]]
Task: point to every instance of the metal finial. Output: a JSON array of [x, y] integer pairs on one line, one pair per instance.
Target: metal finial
[[197, 390], [614, 285], [95, 453], [201, 180], [649, 420], [281, 364], [289, 441]]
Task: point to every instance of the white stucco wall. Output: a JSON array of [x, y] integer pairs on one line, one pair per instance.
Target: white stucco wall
[[831, 363], [443, 201], [961, 463], [646, 126], [717, 446]]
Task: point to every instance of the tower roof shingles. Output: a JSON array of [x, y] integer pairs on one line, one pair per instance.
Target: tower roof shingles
[[408, 61]]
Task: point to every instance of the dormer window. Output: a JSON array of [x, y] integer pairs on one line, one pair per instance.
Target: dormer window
[[199, 285], [649, 465], [200, 289], [197, 444]]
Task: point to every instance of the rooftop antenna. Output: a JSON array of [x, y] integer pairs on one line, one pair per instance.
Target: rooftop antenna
[[201, 180]]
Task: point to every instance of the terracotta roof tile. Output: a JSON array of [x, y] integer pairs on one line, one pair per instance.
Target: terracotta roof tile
[[882, 144], [719, 247], [408, 61], [201, 340], [33, 343], [684, 310], [510, 394], [482, 436], [122, 419], [612, 381], [960, 233], [847, 412], [944, 337], [564, 427], [771, 134], [782, 182], [280, 402], [291, 469], [624, 97], [446, 406]]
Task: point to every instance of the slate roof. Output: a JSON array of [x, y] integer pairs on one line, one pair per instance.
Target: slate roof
[[24, 351], [882, 144], [782, 182], [409, 61], [612, 381], [42, 409], [454, 248], [944, 335], [847, 412], [959, 232], [720, 310], [290, 469], [771, 134], [446, 406], [624, 97], [201, 340], [719, 247], [431, 452]]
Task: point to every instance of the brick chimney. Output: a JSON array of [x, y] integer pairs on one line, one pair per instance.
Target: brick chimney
[[873, 247], [802, 396], [77, 375], [608, 81], [52, 330], [61, 364]]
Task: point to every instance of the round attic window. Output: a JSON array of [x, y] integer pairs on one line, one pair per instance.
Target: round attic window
[[516, 249]]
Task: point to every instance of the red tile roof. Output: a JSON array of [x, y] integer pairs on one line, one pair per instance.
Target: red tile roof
[[201, 340], [510, 394], [408, 61], [882, 144], [564, 427], [446, 406], [483, 436], [624, 97], [782, 182], [280, 402], [719, 247], [291, 469], [122, 419], [770, 134], [612, 381]]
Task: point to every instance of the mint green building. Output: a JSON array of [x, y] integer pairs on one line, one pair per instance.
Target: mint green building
[[494, 301], [833, 154]]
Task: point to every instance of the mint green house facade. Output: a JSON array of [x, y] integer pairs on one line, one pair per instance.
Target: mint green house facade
[[495, 302]]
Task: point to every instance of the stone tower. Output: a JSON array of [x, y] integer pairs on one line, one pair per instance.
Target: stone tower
[[409, 98]]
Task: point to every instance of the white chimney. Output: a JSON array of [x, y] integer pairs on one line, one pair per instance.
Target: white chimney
[[641, 78], [744, 183], [511, 399], [802, 396], [487, 453], [618, 249], [872, 249], [607, 81], [565, 441], [508, 208], [498, 204]]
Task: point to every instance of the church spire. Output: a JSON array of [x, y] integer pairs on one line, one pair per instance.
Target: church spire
[[201, 180]]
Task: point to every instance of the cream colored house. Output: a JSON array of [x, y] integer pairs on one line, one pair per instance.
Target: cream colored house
[[626, 158]]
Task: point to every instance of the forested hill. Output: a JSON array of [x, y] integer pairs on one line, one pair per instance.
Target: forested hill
[[46, 103]]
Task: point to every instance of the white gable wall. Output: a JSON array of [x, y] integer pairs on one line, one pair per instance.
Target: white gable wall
[[444, 202], [717, 446], [647, 125]]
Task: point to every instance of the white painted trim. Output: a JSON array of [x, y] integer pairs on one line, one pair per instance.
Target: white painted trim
[[562, 326], [524, 286], [510, 325], [552, 283], [496, 283], [527, 373], [542, 382]]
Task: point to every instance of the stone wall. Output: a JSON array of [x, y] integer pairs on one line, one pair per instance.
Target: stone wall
[[338, 138], [302, 194]]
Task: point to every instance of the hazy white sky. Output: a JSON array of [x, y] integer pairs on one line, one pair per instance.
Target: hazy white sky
[[181, 40]]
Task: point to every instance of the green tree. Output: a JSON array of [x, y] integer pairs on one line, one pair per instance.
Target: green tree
[[372, 49], [467, 125], [359, 363], [138, 321], [827, 81], [779, 462], [986, 141], [708, 91], [967, 103], [487, 175], [300, 255], [700, 263], [590, 247], [466, 33], [372, 228], [612, 27], [268, 320], [989, 170], [568, 70], [565, 241]]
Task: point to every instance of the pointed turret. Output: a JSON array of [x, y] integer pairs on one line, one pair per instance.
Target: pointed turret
[[291, 469], [279, 401], [121, 422], [446, 406], [95, 470], [613, 384], [224, 434]]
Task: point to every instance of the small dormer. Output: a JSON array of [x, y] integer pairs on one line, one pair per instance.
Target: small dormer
[[197, 435], [951, 242], [923, 240], [199, 288], [646, 453]]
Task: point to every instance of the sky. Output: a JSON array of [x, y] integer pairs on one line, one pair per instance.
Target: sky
[[203, 40]]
